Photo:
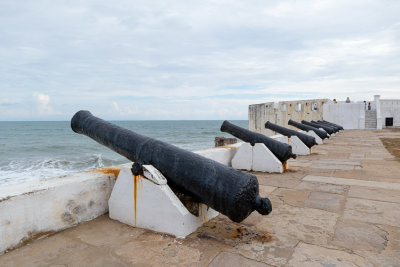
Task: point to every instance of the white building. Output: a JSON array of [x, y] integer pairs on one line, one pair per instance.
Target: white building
[[376, 114]]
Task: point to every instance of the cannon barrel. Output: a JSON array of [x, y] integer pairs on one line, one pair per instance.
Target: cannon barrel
[[229, 191], [335, 128], [331, 123], [308, 140], [329, 130], [304, 127], [281, 150]]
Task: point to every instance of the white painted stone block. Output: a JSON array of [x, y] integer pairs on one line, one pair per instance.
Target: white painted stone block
[[243, 159], [222, 155], [264, 160], [298, 147], [280, 138], [256, 158], [51, 205], [149, 203]]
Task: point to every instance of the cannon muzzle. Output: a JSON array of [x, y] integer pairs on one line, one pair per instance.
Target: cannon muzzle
[[304, 127], [281, 150], [308, 140], [229, 191]]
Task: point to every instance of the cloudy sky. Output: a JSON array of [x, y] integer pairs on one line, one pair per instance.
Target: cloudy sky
[[191, 59]]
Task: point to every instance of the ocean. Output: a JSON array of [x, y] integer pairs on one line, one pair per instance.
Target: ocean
[[39, 150]]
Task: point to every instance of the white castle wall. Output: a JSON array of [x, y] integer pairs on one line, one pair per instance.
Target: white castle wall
[[348, 115]]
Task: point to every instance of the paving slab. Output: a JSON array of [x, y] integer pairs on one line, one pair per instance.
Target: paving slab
[[372, 211], [322, 187], [312, 255], [235, 260], [325, 201], [355, 235], [372, 193], [357, 182], [292, 197]]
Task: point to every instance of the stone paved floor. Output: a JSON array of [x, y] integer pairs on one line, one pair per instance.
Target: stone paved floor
[[339, 206]]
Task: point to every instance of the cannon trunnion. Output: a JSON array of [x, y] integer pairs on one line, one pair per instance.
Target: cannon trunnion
[[229, 191]]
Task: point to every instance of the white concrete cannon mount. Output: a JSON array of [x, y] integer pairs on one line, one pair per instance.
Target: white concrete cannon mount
[[148, 202], [298, 147], [256, 158]]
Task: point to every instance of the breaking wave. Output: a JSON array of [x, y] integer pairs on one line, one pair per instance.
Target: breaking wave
[[17, 171]]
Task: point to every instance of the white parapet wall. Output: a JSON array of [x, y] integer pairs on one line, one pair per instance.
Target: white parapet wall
[[222, 154], [37, 208]]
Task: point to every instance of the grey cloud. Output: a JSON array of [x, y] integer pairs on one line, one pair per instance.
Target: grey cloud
[[152, 53]]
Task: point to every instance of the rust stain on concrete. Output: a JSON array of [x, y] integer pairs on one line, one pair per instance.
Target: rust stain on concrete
[[109, 170], [232, 147]]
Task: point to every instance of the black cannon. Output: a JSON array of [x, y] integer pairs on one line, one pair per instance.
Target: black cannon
[[331, 123], [281, 150], [308, 140], [335, 128], [304, 127], [329, 130], [229, 191]]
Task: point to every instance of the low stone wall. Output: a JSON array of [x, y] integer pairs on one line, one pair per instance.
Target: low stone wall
[[35, 209]]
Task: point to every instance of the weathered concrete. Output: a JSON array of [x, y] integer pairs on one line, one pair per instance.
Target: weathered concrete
[[280, 113], [325, 201], [320, 217], [148, 202], [38, 208]]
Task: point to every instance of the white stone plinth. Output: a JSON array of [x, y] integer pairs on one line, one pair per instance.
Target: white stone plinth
[[148, 202], [264, 160], [298, 147], [256, 158], [243, 158]]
